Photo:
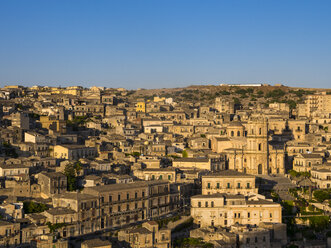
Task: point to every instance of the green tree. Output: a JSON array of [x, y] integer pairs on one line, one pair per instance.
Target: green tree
[[33, 207], [321, 195], [185, 154], [236, 100], [71, 171], [319, 223]]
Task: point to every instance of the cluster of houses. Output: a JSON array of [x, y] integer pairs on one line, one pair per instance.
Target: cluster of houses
[[101, 160]]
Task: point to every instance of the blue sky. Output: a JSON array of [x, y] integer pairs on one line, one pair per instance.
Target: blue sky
[[161, 44]]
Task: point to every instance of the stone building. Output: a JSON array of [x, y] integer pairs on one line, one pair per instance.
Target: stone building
[[224, 106], [316, 104], [147, 236], [113, 205], [230, 182], [74, 152], [305, 162], [226, 210], [52, 183], [321, 177], [96, 243], [9, 234], [258, 155], [192, 164]]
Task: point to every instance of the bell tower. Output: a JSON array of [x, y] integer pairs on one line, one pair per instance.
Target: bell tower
[[257, 146]]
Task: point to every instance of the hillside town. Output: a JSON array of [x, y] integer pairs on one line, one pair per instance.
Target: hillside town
[[234, 166]]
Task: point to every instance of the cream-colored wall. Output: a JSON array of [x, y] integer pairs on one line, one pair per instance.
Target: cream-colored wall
[[227, 215], [220, 185]]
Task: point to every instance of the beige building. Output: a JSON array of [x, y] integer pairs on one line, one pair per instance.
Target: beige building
[[192, 164], [230, 182], [226, 210], [52, 183], [269, 235], [305, 162], [113, 205], [148, 174], [96, 243], [13, 170], [317, 103], [147, 236], [321, 177], [259, 155], [224, 106], [74, 152], [20, 120], [9, 234], [52, 123]]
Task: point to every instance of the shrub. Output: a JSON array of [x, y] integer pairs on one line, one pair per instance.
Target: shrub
[[30, 207], [321, 195]]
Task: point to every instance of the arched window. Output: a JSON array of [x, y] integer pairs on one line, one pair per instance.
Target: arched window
[[259, 147], [238, 133], [232, 133], [260, 131], [259, 168]]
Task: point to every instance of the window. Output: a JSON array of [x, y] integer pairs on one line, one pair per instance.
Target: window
[[119, 208], [232, 133], [127, 196], [255, 239], [136, 195], [238, 186], [248, 186], [119, 197], [248, 215], [208, 185], [110, 198], [102, 199], [259, 147], [228, 185], [260, 131], [248, 240], [199, 204], [110, 210], [127, 207], [270, 215], [238, 133], [143, 194], [169, 177], [160, 177], [218, 185], [212, 204], [206, 204]]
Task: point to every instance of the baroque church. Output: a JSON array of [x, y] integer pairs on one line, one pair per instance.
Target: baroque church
[[250, 149]]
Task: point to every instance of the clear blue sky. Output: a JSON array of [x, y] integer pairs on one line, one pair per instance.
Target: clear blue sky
[[169, 43]]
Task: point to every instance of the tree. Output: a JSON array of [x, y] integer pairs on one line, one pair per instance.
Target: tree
[[185, 154], [236, 101], [319, 223], [71, 171], [33, 207], [321, 195]]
